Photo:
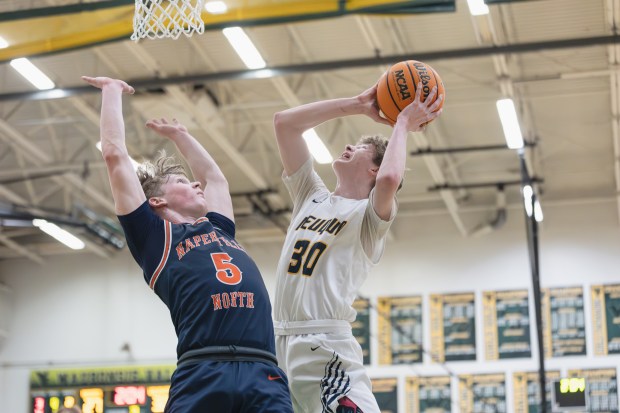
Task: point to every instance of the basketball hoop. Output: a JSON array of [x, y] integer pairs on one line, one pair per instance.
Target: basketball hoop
[[156, 19]]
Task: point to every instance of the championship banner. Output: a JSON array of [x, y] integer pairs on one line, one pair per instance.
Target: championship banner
[[133, 389], [526, 391], [482, 393], [361, 326], [428, 394], [602, 388], [564, 327], [606, 319], [453, 327], [386, 393], [400, 330], [506, 324]]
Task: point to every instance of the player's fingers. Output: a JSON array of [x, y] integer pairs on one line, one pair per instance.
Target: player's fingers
[[90, 80], [418, 92], [434, 115], [436, 103], [431, 95]]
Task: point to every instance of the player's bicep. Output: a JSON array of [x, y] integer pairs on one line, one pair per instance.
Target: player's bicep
[[374, 231], [382, 198], [126, 189]]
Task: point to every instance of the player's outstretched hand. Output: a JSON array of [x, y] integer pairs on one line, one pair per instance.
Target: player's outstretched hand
[[164, 128], [417, 114], [370, 107], [101, 82]]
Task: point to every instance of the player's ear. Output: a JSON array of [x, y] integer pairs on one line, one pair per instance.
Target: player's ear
[[157, 202], [373, 171]]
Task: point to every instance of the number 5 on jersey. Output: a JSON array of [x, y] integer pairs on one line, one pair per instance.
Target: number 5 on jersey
[[226, 272], [305, 257]]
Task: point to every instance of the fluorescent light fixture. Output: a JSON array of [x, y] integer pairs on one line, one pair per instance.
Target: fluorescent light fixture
[[510, 123], [538, 214], [536, 209], [32, 73], [477, 7], [134, 163], [528, 192], [60, 234], [244, 47], [317, 147], [263, 73], [3, 43], [216, 7]]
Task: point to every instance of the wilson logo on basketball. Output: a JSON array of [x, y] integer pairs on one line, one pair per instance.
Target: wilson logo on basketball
[[424, 78], [402, 84]]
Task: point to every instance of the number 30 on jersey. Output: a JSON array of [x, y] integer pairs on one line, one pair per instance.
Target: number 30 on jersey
[[305, 256]]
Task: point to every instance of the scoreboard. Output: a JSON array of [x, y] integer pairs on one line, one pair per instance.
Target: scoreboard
[[101, 390]]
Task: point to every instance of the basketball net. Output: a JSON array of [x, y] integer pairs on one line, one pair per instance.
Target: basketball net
[[156, 19]]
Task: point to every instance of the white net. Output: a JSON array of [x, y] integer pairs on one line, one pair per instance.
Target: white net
[[155, 19]]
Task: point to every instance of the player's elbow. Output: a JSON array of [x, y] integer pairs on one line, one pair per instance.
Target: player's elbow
[[112, 154], [283, 123], [279, 120], [389, 182]]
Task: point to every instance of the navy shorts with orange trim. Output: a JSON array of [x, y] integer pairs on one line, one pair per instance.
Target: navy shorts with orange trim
[[229, 387]]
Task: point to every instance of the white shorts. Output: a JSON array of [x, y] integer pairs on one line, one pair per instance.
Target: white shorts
[[322, 368]]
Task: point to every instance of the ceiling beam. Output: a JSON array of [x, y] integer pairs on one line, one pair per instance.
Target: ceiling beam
[[493, 50], [36, 155]]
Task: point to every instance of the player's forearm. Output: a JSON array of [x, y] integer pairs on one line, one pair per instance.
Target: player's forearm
[[112, 126], [201, 163], [392, 168], [304, 117]]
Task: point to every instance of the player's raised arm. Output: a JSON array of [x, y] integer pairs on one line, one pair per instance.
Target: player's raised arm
[[203, 166], [290, 124], [126, 190], [390, 174]]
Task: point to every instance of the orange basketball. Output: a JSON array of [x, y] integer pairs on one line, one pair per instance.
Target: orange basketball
[[397, 87]]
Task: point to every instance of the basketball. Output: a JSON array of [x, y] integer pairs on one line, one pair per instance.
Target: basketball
[[397, 87]]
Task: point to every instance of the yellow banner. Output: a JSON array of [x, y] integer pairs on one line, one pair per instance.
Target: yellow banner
[[428, 394], [526, 389], [405, 313], [486, 390], [491, 344], [54, 29]]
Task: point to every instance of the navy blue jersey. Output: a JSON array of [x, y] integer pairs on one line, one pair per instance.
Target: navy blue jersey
[[213, 289]]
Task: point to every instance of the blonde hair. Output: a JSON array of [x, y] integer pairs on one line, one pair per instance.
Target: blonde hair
[[380, 144], [153, 175]]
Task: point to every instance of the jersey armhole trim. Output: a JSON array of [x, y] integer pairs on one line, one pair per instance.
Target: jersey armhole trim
[[166, 254]]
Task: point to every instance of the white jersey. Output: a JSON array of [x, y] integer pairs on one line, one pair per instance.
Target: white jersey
[[330, 247]]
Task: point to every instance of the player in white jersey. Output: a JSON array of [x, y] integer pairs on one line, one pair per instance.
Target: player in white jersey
[[332, 242]]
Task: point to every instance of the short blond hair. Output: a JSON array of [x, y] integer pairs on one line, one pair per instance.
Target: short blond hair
[[153, 175], [380, 144]]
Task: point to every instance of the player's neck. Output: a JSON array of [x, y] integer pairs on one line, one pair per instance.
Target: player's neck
[[176, 217], [353, 190]]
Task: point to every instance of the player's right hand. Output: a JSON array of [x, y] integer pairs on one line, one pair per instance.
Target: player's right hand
[[164, 128], [370, 107], [101, 82], [417, 114]]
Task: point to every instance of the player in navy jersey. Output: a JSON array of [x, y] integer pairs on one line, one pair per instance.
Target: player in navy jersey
[[182, 234]]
